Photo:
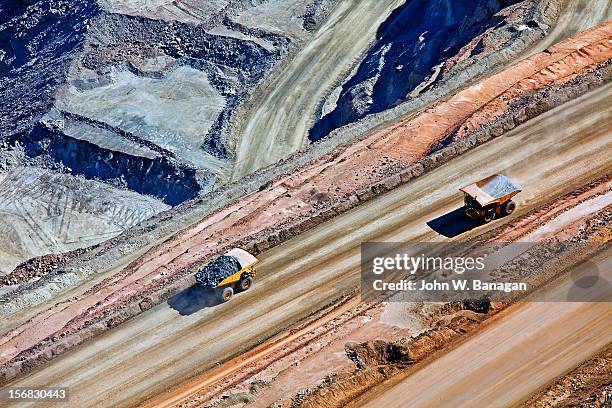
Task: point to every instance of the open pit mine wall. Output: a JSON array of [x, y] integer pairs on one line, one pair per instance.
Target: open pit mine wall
[[47, 47], [128, 40], [520, 111], [160, 177], [161, 227], [419, 44]]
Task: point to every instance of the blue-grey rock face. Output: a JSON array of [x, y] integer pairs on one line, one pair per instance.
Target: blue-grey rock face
[[416, 38], [38, 41]]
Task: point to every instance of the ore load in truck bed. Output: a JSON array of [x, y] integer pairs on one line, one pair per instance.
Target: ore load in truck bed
[[491, 188], [216, 271]]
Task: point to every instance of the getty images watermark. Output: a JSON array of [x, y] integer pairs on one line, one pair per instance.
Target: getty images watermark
[[442, 272]]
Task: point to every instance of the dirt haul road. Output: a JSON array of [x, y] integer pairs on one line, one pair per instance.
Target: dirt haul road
[[277, 125], [160, 348], [515, 354]]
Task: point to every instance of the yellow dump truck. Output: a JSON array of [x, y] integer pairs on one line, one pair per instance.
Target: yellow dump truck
[[231, 272], [490, 198]]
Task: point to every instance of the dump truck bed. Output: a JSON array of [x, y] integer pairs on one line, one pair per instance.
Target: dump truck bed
[[226, 269], [491, 189]]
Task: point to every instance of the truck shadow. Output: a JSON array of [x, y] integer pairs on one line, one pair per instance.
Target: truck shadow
[[453, 223], [193, 299]]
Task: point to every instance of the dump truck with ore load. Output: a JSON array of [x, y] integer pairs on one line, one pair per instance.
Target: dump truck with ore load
[[231, 272], [490, 197]]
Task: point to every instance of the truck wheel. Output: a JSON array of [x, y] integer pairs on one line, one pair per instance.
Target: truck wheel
[[509, 207], [225, 294], [489, 216], [245, 283]]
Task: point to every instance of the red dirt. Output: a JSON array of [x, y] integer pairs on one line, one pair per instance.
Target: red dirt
[[558, 73]]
